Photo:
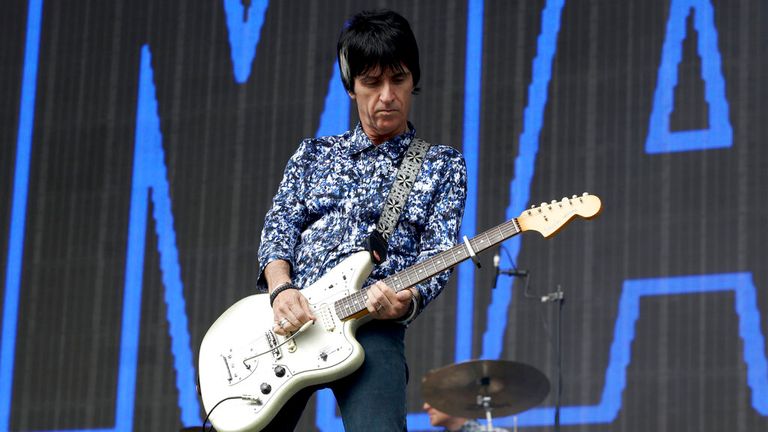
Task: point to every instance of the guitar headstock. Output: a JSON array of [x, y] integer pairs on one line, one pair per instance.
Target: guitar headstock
[[549, 218]]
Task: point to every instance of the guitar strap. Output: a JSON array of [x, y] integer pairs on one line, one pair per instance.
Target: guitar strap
[[398, 195]]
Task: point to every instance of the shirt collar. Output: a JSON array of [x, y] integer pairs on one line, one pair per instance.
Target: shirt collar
[[394, 147]]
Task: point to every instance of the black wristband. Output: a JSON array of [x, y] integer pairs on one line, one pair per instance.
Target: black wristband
[[282, 287]]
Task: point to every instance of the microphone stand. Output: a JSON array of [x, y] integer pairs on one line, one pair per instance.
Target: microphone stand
[[553, 297], [515, 272], [559, 298]]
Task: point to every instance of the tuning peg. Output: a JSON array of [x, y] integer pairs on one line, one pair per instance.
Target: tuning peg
[[543, 204], [584, 194], [574, 197], [553, 202]]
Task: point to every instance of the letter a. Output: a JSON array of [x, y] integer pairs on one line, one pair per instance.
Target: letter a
[[720, 133]]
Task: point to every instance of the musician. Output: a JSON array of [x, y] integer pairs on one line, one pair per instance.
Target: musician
[[330, 200], [451, 423]]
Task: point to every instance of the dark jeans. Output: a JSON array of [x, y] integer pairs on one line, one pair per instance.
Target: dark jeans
[[373, 397]]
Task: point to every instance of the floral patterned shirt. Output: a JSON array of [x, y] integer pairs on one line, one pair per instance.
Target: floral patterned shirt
[[332, 195]]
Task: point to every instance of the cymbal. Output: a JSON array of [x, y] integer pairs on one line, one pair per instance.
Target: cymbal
[[458, 389]]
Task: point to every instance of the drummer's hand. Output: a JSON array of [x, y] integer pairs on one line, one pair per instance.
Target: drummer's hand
[[384, 303], [291, 310]]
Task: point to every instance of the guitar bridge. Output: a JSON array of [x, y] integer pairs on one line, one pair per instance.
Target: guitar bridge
[[272, 340]]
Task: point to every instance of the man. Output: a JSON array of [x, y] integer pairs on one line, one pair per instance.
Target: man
[[329, 202], [451, 423]]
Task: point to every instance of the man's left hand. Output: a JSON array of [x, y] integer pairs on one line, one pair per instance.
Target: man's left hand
[[385, 304]]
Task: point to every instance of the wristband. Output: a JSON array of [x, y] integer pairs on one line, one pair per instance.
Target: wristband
[[282, 287]]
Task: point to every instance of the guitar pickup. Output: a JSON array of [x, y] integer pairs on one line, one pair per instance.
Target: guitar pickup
[[326, 317]]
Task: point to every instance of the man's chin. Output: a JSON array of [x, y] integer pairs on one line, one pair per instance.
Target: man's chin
[[390, 128]]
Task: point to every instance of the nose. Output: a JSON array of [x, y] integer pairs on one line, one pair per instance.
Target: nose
[[387, 93]]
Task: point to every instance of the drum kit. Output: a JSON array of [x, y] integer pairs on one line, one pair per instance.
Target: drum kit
[[485, 388]]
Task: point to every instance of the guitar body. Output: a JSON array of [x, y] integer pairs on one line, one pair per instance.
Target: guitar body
[[237, 359]]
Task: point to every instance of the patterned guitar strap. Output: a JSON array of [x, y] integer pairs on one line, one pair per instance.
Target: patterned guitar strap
[[395, 202]]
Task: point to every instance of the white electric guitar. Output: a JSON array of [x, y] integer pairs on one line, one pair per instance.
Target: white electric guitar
[[247, 372]]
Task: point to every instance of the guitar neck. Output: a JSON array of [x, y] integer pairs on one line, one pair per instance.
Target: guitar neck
[[353, 306]]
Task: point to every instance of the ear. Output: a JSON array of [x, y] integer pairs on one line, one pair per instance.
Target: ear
[[351, 95]]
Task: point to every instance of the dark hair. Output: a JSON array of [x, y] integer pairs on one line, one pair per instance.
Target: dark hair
[[380, 38]]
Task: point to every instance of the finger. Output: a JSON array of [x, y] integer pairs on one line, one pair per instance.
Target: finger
[[373, 307], [378, 293], [307, 309], [387, 292], [293, 321], [279, 330], [371, 304], [298, 314], [383, 305], [371, 294]]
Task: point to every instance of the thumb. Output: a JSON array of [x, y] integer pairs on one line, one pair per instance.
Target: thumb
[[404, 295]]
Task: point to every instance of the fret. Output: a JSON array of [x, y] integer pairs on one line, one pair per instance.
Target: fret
[[421, 272], [477, 246], [482, 241], [394, 282], [459, 255], [508, 228], [409, 278]]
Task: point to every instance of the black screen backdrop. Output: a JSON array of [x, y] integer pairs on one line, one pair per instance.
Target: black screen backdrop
[[695, 358]]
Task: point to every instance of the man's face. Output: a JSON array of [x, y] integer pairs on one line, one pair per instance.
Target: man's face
[[383, 102]]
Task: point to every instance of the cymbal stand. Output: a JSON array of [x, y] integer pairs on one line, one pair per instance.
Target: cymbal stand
[[485, 402]]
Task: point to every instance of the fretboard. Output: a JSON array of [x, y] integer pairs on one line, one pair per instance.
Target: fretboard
[[354, 304]]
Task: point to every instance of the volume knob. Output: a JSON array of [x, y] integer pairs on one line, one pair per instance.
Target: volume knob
[[266, 388]]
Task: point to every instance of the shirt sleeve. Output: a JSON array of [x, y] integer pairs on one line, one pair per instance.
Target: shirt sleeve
[[443, 223], [287, 217]]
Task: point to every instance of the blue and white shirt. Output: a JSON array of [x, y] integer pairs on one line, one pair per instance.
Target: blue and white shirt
[[332, 195]]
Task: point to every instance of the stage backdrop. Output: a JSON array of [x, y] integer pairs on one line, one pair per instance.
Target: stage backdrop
[[142, 141]]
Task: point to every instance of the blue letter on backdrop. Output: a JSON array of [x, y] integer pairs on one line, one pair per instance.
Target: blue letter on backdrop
[[19, 210], [244, 27], [720, 134], [150, 174]]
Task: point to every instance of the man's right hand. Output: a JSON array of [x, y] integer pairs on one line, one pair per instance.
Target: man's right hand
[[291, 310]]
